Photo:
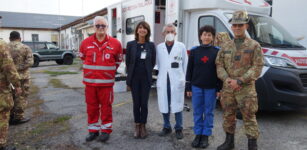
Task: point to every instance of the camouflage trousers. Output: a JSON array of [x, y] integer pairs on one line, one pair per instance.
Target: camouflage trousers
[[20, 101], [6, 104], [246, 101]]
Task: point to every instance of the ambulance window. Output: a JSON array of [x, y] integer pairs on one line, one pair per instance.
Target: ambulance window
[[207, 20], [131, 23], [219, 26], [213, 21]]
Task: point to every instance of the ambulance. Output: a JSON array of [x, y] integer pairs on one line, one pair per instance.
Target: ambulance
[[283, 81]]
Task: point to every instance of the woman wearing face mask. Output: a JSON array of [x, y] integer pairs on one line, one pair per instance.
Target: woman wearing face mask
[[140, 60], [202, 85]]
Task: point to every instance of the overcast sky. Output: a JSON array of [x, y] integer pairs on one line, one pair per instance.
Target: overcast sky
[[62, 7]]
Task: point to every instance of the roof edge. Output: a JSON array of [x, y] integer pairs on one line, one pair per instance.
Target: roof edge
[[101, 12]]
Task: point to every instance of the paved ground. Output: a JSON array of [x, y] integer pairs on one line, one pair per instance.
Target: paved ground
[[57, 108]]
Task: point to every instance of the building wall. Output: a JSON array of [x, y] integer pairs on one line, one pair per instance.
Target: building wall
[[72, 37], [26, 35], [290, 14]]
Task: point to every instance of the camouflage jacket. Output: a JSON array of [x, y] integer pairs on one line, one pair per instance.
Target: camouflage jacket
[[244, 63], [8, 72], [221, 38], [23, 58]]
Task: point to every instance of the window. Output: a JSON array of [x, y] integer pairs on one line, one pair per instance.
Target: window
[[30, 44], [35, 37], [157, 17], [131, 23], [208, 20], [40, 46], [51, 46], [213, 21], [270, 34], [160, 2]]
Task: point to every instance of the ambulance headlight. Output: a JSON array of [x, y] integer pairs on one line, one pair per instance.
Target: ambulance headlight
[[278, 62]]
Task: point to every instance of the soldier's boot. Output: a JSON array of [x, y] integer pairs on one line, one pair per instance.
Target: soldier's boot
[[229, 142], [7, 148], [19, 121], [137, 132], [252, 144]]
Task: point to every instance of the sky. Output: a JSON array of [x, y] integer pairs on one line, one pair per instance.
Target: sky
[[58, 7]]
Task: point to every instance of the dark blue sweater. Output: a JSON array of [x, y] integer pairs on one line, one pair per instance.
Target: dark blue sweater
[[202, 69]]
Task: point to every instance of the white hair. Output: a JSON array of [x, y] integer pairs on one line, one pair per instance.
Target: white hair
[[100, 18], [168, 25]]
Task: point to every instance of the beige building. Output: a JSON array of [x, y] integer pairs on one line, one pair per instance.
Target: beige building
[[33, 27]]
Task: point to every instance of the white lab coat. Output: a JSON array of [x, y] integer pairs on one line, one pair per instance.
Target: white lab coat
[[176, 75]]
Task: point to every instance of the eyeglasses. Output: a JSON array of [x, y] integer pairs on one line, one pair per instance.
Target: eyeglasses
[[238, 25], [100, 25]]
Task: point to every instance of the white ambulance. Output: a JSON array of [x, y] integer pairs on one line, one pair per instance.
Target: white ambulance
[[283, 82]]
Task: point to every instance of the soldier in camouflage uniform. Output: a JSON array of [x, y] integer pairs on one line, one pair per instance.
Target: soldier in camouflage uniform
[[23, 60], [221, 38], [239, 64], [9, 79]]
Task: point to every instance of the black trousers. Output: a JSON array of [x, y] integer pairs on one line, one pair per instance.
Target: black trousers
[[140, 88]]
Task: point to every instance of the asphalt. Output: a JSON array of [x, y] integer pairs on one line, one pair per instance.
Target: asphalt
[[47, 103]]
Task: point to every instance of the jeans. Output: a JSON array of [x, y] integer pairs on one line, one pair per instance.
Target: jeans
[[178, 118], [203, 101], [166, 116]]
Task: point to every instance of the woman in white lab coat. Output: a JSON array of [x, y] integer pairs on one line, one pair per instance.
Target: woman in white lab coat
[[172, 62]]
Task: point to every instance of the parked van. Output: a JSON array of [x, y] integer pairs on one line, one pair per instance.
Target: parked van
[[283, 81]]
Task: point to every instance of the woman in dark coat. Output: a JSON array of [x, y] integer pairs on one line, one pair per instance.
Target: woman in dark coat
[[140, 60]]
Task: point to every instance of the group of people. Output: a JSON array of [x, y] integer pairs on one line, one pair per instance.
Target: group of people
[[15, 61], [228, 71], [218, 67]]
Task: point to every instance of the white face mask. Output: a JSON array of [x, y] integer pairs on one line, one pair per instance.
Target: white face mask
[[170, 37]]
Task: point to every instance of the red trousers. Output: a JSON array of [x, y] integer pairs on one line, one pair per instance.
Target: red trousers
[[99, 103]]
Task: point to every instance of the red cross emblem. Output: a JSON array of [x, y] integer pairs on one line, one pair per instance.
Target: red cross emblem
[[205, 59]]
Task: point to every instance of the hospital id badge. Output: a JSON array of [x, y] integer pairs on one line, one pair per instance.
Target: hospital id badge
[[143, 54]]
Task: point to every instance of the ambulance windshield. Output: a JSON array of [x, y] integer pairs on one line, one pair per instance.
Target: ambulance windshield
[[270, 34]]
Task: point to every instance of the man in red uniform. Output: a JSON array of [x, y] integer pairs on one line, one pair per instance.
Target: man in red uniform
[[101, 55]]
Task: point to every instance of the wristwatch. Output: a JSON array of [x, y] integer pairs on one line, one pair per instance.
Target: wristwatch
[[239, 82]]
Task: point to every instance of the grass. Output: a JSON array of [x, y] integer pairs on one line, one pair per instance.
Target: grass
[[49, 125], [61, 119], [33, 89], [56, 73], [56, 83]]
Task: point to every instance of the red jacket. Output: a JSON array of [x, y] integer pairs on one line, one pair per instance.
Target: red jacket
[[100, 60]]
